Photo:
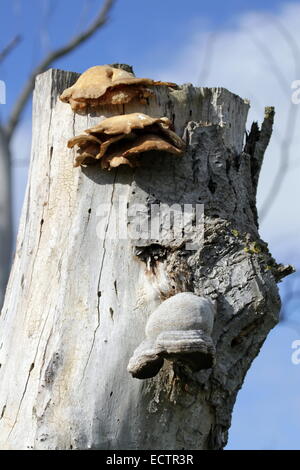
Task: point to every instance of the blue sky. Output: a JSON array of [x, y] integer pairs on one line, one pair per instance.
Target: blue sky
[[266, 415], [168, 40], [145, 34]]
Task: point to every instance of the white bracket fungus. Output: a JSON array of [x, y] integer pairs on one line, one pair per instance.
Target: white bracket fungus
[[178, 330]]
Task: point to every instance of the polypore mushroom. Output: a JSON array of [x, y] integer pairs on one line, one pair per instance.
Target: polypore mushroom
[[105, 85], [179, 330], [141, 144], [88, 146], [119, 140], [125, 123]]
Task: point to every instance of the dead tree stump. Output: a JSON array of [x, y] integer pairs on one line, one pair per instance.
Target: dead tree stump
[[79, 297]]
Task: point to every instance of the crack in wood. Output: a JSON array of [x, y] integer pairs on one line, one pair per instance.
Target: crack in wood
[[99, 280]]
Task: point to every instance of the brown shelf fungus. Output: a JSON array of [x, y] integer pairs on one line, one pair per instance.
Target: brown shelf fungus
[[179, 330], [106, 85], [120, 140]]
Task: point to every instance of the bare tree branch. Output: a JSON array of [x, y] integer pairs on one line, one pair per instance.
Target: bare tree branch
[[10, 46], [57, 54], [284, 163], [285, 143], [207, 58], [290, 40], [271, 61]]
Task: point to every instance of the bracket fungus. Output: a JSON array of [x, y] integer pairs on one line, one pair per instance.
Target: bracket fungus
[[105, 85], [119, 140], [179, 330]]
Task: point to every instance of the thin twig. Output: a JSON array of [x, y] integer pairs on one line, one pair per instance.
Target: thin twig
[[277, 72], [207, 58], [284, 163], [10, 46], [100, 21]]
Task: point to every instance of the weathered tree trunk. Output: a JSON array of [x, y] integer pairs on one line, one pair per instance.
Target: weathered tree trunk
[[6, 232], [77, 302]]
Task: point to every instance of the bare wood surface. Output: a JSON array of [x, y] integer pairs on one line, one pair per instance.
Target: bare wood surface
[[77, 305]]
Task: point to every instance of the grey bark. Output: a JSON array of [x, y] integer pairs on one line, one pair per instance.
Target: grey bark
[[77, 305], [6, 234]]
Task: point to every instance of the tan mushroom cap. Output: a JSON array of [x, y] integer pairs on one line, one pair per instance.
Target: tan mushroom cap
[[104, 146], [142, 144], [163, 129], [122, 94], [119, 140], [91, 147], [87, 153], [96, 81], [148, 142], [126, 123], [83, 139], [84, 159], [114, 162]]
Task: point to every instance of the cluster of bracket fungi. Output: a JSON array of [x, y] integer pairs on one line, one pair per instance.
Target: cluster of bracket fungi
[[118, 140], [180, 329]]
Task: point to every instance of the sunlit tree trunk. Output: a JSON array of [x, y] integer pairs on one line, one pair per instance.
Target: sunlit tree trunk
[[79, 298]]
